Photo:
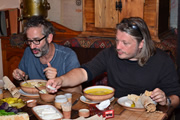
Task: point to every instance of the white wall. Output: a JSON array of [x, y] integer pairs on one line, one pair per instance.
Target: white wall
[[9, 4], [1, 65], [66, 13], [71, 14], [174, 13], [54, 12]]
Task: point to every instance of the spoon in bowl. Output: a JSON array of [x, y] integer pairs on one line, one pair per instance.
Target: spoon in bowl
[[22, 77]]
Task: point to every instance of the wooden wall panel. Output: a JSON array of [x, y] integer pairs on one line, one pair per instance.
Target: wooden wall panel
[[131, 8], [106, 15], [151, 18], [155, 19], [89, 22]]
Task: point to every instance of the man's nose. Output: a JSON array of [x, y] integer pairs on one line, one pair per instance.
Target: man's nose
[[119, 45], [32, 45]]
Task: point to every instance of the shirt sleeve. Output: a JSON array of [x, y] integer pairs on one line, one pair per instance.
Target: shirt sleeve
[[169, 80], [96, 66], [71, 61]]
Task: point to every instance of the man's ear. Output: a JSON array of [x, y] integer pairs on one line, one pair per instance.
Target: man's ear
[[50, 38], [141, 44]]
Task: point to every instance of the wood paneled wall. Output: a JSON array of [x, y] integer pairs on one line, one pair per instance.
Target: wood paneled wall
[[156, 15], [89, 22]]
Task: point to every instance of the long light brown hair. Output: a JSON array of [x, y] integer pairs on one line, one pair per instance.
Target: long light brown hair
[[137, 28]]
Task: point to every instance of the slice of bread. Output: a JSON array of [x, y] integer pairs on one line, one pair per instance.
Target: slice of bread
[[19, 116], [133, 97], [11, 87], [148, 93]]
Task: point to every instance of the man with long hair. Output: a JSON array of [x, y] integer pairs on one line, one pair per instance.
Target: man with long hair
[[133, 66]]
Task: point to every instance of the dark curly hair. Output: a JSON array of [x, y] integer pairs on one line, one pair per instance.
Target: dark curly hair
[[38, 21]]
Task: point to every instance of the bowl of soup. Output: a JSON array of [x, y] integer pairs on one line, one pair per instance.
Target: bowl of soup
[[29, 86], [98, 93]]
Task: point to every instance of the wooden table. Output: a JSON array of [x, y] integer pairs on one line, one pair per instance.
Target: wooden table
[[119, 112]]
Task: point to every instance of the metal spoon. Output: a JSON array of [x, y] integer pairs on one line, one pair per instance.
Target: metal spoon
[[37, 88], [22, 77]]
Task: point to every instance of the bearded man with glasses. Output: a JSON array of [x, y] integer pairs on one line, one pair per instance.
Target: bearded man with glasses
[[44, 59]]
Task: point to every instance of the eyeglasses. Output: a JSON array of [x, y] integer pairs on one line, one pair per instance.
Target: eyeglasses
[[36, 42], [132, 25]]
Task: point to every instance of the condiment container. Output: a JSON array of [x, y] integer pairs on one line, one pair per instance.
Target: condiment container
[[47, 97], [59, 99], [1, 93], [84, 113], [31, 103], [1, 84], [69, 97], [66, 108], [106, 113]]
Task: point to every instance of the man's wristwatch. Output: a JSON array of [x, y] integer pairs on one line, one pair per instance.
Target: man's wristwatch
[[168, 101]]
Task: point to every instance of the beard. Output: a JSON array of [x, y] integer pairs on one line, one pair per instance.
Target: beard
[[124, 55], [41, 52]]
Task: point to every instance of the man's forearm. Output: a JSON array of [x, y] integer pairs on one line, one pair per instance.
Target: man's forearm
[[174, 100], [77, 89], [74, 77]]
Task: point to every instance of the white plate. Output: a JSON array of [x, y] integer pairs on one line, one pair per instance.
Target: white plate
[[40, 110], [85, 100], [28, 94], [122, 101]]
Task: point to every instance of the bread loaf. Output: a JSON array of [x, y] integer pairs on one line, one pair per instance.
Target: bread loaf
[[19, 116], [148, 93], [11, 87], [133, 97]]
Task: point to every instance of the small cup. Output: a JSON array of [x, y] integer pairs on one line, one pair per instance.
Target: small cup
[[69, 97], [47, 97], [1, 84], [84, 113], [66, 108], [59, 99], [1, 93], [31, 103]]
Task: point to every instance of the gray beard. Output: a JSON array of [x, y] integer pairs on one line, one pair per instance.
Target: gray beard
[[43, 51]]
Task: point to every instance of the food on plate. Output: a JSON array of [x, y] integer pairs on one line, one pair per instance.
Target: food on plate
[[34, 83], [19, 116], [29, 87], [148, 103], [99, 91], [11, 87], [43, 91], [13, 102], [3, 112], [47, 112], [142, 101], [133, 97], [50, 87], [129, 103], [8, 112], [148, 93]]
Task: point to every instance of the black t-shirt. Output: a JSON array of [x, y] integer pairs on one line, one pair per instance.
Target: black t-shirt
[[127, 77]]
